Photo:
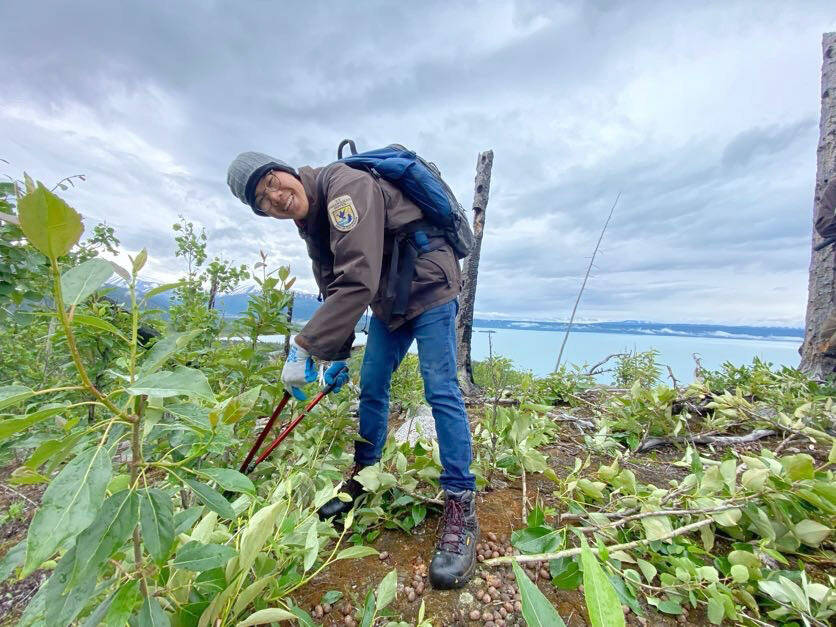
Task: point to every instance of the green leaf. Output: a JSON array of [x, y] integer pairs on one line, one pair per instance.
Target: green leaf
[[311, 548], [69, 505], [648, 569], [98, 323], [198, 557], [182, 381], [739, 573], [811, 533], [12, 560], [798, 466], [10, 426], [656, 527], [211, 499], [536, 608], [229, 479], [139, 260], [13, 394], [185, 519], [536, 539], [263, 617], [49, 223], [716, 611], [234, 408], [368, 610], [164, 348], [253, 538], [601, 601], [81, 281], [385, 593], [156, 515], [565, 572], [669, 607], [355, 552], [113, 526], [248, 594], [124, 603], [152, 615]]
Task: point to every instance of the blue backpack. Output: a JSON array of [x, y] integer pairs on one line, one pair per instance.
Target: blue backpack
[[421, 182]]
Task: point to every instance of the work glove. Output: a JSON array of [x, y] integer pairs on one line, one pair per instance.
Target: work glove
[[336, 373], [298, 370]]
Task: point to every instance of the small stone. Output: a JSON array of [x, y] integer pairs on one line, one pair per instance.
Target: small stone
[[580, 588], [495, 554], [490, 623], [493, 592], [486, 599], [509, 607], [503, 596], [503, 612], [625, 608], [349, 622], [319, 610], [642, 620], [517, 606], [383, 555], [475, 615], [409, 589], [487, 615], [419, 589], [326, 607], [411, 595], [544, 574], [480, 558], [491, 536]]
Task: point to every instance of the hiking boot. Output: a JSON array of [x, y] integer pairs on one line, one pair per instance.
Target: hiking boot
[[454, 561], [336, 507]]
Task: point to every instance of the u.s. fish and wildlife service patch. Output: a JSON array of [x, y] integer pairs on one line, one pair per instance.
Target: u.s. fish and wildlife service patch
[[342, 213]]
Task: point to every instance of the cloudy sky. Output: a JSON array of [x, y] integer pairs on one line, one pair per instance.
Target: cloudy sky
[[704, 116]]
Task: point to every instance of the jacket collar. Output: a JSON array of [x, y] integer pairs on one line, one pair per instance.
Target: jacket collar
[[308, 177]]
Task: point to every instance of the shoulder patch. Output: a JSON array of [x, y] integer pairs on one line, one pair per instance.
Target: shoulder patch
[[342, 213]]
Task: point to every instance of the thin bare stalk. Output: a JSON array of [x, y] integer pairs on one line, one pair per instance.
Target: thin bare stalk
[[136, 461], [583, 285]]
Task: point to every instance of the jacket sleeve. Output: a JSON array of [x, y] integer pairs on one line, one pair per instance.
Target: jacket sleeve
[[356, 215], [825, 219]]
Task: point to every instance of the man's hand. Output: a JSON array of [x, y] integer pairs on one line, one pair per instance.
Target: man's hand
[[336, 374], [298, 370]]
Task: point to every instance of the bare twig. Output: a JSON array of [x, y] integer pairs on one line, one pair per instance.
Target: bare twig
[[583, 285], [20, 494], [613, 547], [673, 378], [592, 370]]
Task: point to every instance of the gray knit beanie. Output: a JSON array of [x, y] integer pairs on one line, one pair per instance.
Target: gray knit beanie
[[246, 171]]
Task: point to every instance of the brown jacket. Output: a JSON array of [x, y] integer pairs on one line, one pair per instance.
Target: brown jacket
[[349, 233], [825, 219]]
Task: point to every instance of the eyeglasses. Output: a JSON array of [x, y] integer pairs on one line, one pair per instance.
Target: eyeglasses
[[272, 184]]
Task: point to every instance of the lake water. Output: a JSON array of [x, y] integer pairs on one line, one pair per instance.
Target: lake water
[[537, 350]]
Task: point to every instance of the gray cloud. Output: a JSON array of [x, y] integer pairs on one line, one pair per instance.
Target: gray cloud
[[704, 117]]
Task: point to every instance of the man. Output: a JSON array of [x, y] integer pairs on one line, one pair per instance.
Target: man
[[355, 227], [825, 222]]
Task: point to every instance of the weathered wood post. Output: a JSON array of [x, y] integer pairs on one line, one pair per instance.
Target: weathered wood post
[[464, 322], [821, 291]]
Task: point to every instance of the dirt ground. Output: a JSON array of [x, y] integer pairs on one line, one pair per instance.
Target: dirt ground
[[15, 595]]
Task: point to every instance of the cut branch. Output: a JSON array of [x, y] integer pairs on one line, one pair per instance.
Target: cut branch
[[538, 557], [716, 440]]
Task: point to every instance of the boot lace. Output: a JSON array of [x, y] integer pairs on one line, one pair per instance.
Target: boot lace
[[452, 527]]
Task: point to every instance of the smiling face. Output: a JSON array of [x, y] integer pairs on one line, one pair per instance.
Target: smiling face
[[280, 195]]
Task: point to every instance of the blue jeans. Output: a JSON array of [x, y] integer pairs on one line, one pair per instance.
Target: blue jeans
[[435, 331]]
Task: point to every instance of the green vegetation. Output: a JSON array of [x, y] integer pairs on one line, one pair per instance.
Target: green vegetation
[[135, 443]]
